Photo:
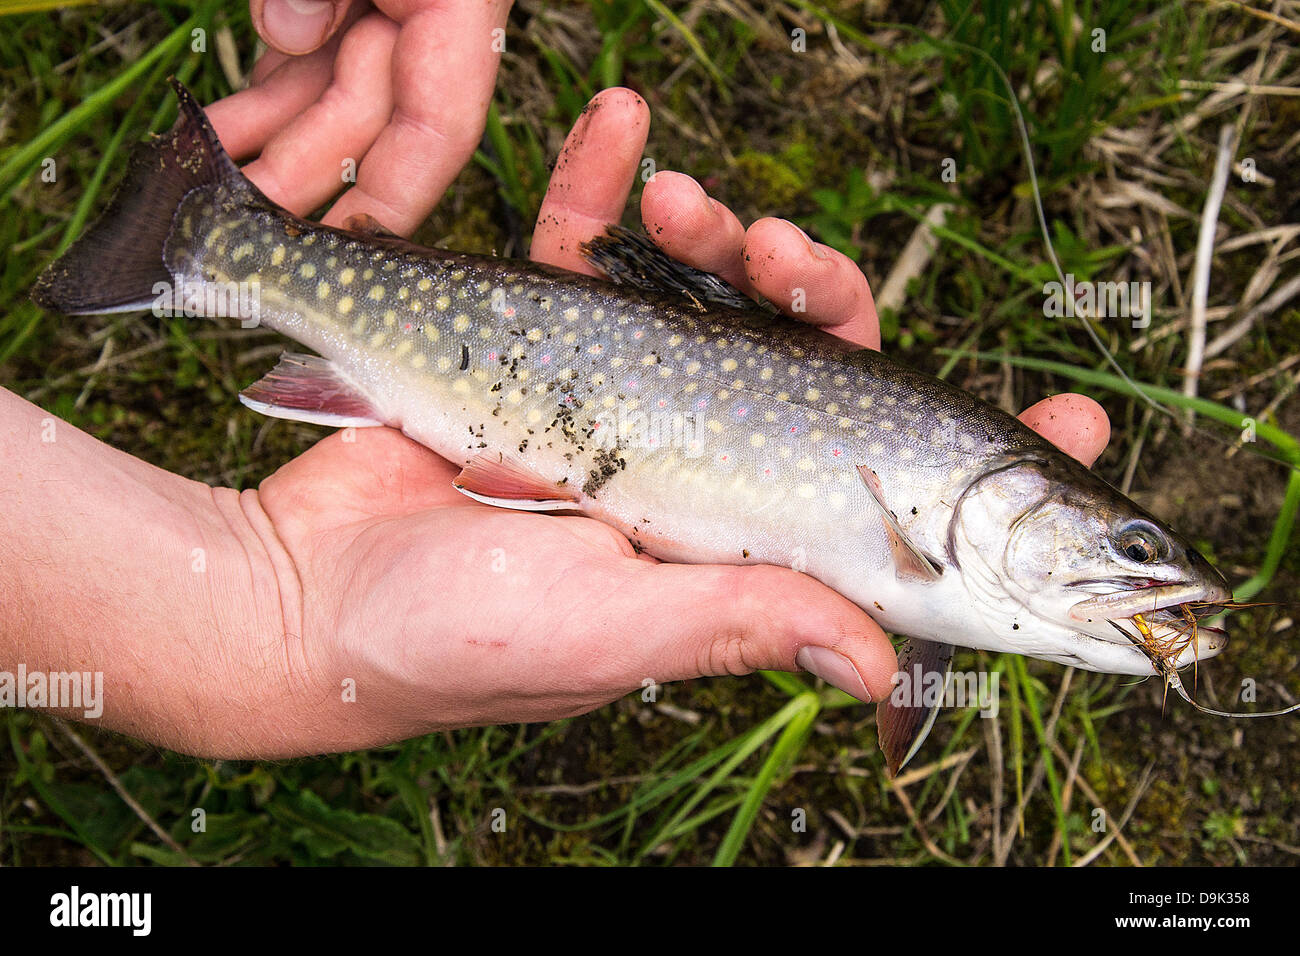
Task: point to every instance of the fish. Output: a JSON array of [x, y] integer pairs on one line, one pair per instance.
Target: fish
[[660, 400]]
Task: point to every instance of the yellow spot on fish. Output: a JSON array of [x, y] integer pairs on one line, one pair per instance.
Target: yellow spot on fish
[[515, 397], [277, 256], [812, 394], [460, 386], [378, 339], [534, 417], [806, 464], [758, 440], [307, 270], [424, 285], [806, 490], [376, 293], [345, 305], [766, 374], [323, 290], [419, 360], [571, 315], [444, 363], [347, 275], [431, 333], [390, 317], [359, 325], [403, 347], [442, 302], [713, 425], [729, 365]]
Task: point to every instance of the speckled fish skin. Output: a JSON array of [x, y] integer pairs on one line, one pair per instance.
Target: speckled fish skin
[[769, 422]]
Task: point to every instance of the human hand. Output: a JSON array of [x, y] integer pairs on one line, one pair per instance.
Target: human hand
[[400, 88]]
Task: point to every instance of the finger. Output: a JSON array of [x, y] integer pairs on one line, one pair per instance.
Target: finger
[[246, 121], [297, 27], [1073, 423], [713, 620], [811, 281], [444, 66], [302, 167], [593, 177], [691, 227]]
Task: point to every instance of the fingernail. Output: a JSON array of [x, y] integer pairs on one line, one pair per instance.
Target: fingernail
[[817, 252], [835, 669], [296, 26]]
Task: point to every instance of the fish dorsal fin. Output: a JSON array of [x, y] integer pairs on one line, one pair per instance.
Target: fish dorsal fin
[[629, 258], [909, 560], [496, 480], [904, 718], [308, 388]]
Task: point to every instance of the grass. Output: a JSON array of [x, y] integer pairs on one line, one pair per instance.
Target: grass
[[847, 139]]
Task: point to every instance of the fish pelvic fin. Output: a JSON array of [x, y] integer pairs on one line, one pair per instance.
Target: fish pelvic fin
[[117, 262], [904, 718]]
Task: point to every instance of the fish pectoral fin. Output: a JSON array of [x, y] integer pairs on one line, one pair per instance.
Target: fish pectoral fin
[[904, 718], [308, 388], [909, 560], [367, 225], [496, 480]]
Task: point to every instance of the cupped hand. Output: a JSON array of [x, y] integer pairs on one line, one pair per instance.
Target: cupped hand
[[448, 613]]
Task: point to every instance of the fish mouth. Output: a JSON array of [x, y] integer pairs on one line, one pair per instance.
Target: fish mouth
[[1162, 619], [1143, 596]]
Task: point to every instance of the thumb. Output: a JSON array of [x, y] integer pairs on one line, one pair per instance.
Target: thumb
[[296, 27], [711, 620]]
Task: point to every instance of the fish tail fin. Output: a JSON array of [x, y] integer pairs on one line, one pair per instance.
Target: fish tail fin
[[117, 262]]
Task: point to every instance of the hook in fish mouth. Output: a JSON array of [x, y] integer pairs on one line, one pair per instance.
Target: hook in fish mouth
[[1162, 619]]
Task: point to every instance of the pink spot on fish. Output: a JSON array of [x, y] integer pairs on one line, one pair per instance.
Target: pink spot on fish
[[509, 313], [701, 404], [546, 360], [407, 327], [492, 356], [663, 403], [742, 412], [793, 429], [630, 383], [837, 452]]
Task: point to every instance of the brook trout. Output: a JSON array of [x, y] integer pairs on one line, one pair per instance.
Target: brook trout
[[663, 403]]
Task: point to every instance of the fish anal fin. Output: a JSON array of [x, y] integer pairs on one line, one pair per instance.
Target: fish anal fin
[[308, 388], [904, 718], [496, 480], [909, 560]]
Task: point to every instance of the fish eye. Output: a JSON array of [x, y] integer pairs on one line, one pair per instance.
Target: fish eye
[[1142, 542]]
